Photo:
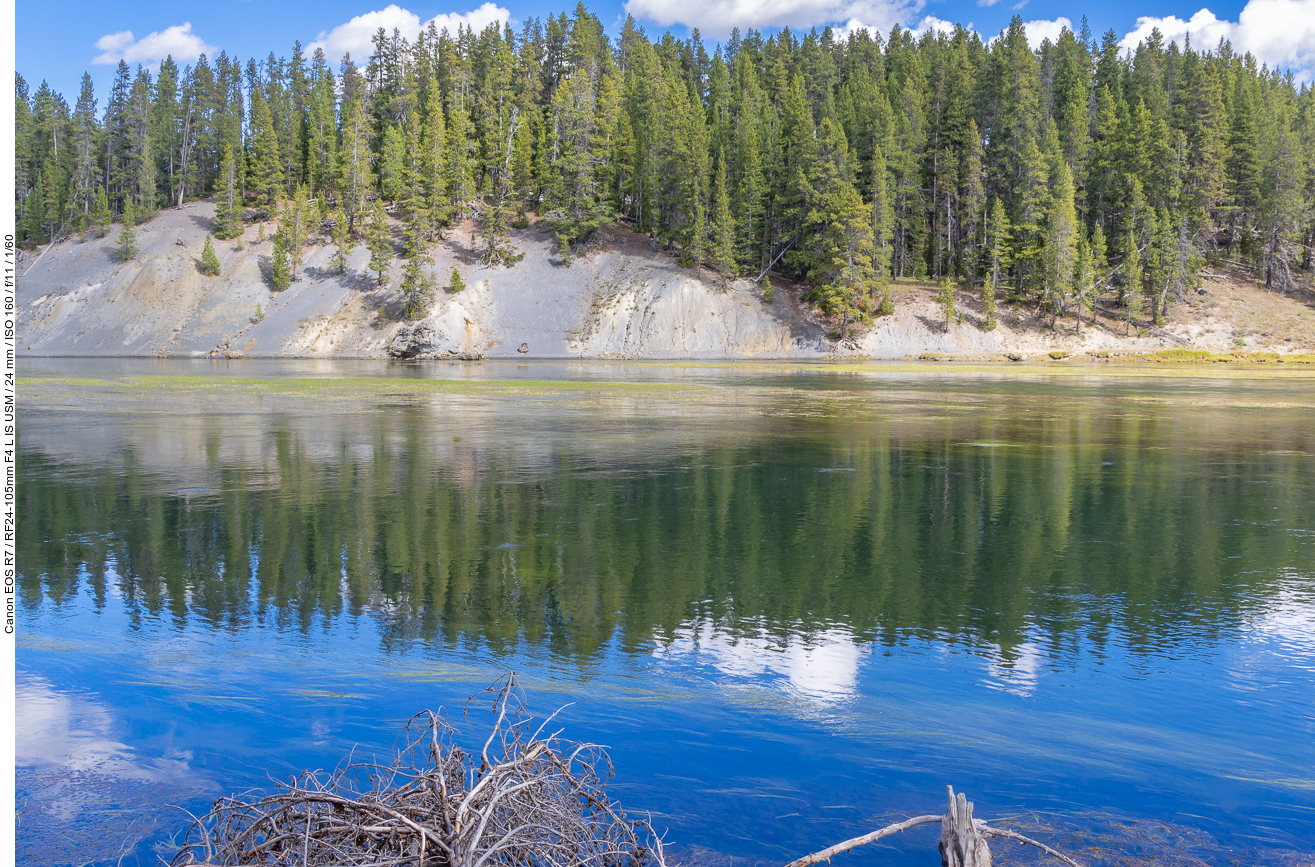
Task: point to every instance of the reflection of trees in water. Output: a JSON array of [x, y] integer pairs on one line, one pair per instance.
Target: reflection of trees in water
[[995, 530]]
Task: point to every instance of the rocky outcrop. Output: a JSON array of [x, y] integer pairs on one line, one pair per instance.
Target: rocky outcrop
[[424, 340]]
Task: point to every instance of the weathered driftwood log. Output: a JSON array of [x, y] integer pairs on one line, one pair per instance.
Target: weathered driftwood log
[[963, 843], [828, 854], [963, 840]]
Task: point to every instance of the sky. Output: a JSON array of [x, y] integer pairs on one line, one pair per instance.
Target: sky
[[58, 40]]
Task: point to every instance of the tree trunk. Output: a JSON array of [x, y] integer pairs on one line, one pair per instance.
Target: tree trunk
[[962, 844]]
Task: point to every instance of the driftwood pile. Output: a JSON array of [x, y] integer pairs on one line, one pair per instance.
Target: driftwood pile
[[528, 799]]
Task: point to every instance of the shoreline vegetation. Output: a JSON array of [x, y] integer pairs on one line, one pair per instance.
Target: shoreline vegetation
[[809, 176]]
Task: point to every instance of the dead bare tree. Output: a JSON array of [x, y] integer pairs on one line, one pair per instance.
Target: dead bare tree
[[527, 799], [963, 840]]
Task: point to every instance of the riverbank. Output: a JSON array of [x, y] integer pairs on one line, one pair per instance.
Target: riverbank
[[625, 298]]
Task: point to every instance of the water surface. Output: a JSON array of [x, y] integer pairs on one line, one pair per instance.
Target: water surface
[[794, 601]]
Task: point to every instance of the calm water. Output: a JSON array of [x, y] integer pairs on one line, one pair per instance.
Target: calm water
[[794, 602]]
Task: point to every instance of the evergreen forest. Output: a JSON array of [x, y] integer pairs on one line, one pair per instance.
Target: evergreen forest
[[1051, 176]]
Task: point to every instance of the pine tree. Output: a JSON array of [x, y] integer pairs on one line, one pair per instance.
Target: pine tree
[[1083, 284], [281, 277], [296, 228], [1099, 263], [998, 237], [972, 203], [722, 257], [392, 164], [1061, 243], [434, 163], [572, 204], [1029, 227], [100, 215], [228, 205], [86, 134], [750, 189], [945, 298], [30, 228], [321, 148], [355, 180], [265, 165], [209, 261], [118, 141], [841, 264], [883, 221], [455, 284], [495, 225], [460, 174], [379, 240], [140, 150], [342, 240], [52, 204], [417, 288], [522, 166], [127, 248], [1132, 280], [1154, 281]]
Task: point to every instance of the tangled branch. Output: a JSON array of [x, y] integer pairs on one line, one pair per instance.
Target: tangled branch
[[526, 800]]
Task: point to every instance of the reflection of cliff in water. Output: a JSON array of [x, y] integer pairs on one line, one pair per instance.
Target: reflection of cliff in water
[[1009, 517]]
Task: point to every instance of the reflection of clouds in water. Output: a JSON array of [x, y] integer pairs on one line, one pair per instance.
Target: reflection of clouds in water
[[68, 736], [1017, 670], [820, 667], [1287, 623]]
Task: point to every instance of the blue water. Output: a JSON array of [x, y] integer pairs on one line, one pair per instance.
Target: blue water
[[794, 603]]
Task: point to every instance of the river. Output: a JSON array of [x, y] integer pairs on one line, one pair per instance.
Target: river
[[794, 601]]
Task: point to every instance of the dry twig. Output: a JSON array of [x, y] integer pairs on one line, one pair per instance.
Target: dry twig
[[524, 801]]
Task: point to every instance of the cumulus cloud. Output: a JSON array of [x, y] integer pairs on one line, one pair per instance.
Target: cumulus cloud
[[929, 24], [1280, 33], [354, 36], [64, 734], [178, 41], [820, 668], [1039, 31], [717, 17], [932, 24]]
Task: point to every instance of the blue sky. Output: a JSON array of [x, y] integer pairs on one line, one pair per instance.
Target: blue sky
[[59, 40]]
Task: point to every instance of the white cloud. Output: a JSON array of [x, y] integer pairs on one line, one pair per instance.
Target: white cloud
[[354, 36], [1280, 33], [933, 24], [717, 17], [853, 25], [1018, 672], [178, 41], [1039, 31], [69, 734], [820, 668]]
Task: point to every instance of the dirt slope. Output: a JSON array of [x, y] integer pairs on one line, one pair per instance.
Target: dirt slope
[[625, 298]]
